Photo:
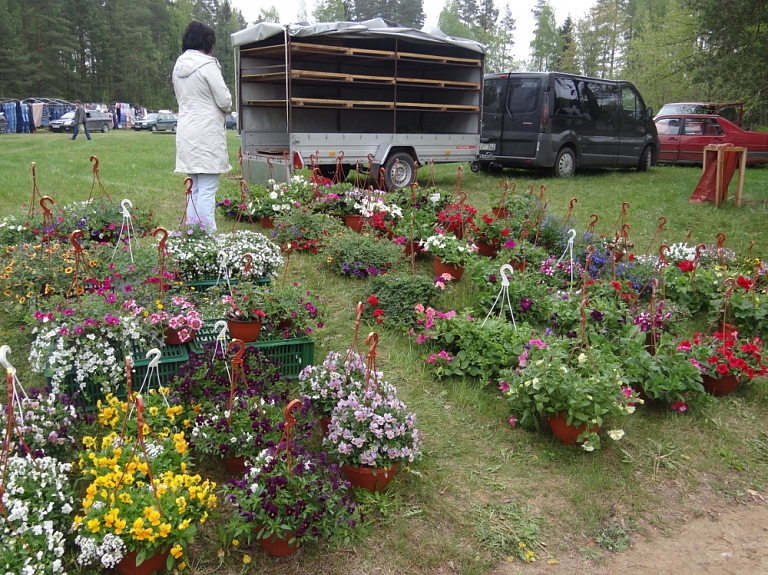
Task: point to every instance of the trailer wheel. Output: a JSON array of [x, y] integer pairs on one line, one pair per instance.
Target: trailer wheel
[[402, 175]]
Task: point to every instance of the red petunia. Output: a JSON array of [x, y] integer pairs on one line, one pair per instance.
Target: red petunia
[[685, 266], [723, 369], [378, 312], [373, 300], [616, 286], [745, 283], [713, 359]]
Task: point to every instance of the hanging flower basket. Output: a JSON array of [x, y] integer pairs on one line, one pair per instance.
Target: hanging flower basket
[[153, 564], [247, 331], [568, 434], [719, 387], [370, 478], [267, 223], [276, 546], [355, 223], [441, 268]]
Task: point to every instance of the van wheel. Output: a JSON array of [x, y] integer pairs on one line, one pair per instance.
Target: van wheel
[[565, 164], [646, 159], [401, 176]]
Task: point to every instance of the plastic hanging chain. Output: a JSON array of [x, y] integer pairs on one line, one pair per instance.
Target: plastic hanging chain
[[372, 341], [221, 344], [153, 368], [503, 295], [35, 193], [222, 259], [97, 178], [286, 439], [127, 227], [569, 250], [188, 182], [16, 392]]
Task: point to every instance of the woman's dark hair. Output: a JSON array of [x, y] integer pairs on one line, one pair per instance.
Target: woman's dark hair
[[198, 36]]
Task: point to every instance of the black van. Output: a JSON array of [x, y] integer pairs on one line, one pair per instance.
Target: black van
[[561, 122]]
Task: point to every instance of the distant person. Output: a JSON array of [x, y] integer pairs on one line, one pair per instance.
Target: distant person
[[80, 118], [201, 136]]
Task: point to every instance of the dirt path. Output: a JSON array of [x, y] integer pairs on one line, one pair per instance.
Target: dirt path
[[729, 539]]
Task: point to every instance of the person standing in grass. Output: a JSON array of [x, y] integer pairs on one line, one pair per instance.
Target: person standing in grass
[[80, 118], [201, 137]]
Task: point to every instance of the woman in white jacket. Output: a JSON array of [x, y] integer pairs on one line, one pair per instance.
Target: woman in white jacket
[[201, 137]]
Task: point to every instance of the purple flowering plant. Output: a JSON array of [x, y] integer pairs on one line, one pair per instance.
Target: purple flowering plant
[[327, 383], [292, 494], [372, 427], [256, 419], [354, 255]]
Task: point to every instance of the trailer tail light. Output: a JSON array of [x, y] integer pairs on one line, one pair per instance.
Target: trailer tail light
[[544, 114], [297, 163]]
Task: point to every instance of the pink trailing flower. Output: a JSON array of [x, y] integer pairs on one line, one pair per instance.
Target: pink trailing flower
[[504, 387], [680, 406], [538, 343], [512, 421], [432, 358]]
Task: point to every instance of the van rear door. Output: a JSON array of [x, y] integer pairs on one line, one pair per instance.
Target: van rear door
[[494, 98], [522, 117]]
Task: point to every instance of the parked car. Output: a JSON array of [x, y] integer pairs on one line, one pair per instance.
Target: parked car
[[683, 137], [231, 121], [561, 122], [157, 121], [733, 112], [3, 122], [95, 121]]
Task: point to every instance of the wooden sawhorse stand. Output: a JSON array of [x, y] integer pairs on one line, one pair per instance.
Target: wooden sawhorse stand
[[721, 192]]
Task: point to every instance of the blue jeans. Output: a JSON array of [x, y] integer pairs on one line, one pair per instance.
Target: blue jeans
[[202, 206], [85, 129]]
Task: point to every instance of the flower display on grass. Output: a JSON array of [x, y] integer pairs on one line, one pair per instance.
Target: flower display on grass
[[450, 249], [85, 339], [126, 510], [172, 312], [37, 500], [325, 384], [456, 218], [724, 353], [294, 311], [46, 424], [371, 427], [291, 494]]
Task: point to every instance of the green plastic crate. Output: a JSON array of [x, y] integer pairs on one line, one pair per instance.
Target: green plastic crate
[[203, 285], [171, 359], [293, 354]]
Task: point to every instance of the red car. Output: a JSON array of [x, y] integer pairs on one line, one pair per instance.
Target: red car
[[683, 137]]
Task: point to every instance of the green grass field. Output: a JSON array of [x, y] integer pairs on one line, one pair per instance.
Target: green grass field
[[434, 519]]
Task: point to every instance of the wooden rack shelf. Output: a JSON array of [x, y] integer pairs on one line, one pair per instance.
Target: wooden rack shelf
[[312, 75], [361, 104]]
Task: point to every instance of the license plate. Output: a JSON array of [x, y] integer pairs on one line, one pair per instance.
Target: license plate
[[488, 147]]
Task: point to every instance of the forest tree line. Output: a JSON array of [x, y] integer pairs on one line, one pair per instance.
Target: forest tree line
[[124, 50]]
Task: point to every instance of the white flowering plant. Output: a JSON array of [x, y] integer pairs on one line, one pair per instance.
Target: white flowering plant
[[450, 249], [193, 252], [265, 258], [37, 499], [45, 422], [86, 339], [371, 427], [556, 377]]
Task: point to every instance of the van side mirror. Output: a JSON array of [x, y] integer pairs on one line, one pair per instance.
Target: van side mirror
[[649, 113]]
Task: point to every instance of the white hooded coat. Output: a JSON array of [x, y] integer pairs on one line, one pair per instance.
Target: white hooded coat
[[204, 99]]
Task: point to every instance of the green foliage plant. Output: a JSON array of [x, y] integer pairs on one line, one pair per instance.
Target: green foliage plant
[[396, 295], [562, 376], [354, 255]]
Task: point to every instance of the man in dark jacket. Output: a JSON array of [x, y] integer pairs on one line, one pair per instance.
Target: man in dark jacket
[[80, 118]]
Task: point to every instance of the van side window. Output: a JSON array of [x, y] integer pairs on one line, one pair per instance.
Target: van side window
[[599, 101], [493, 96], [632, 105], [523, 95], [566, 97]]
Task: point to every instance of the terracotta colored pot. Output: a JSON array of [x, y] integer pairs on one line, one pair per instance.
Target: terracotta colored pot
[[487, 250], [441, 268], [172, 336], [722, 386], [277, 547], [153, 564], [412, 248], [246, 331], [518, 265], [235, 465], [568, 434], [370, 478], [355, 223], [267, 223], [499, 212], [324, 423]]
